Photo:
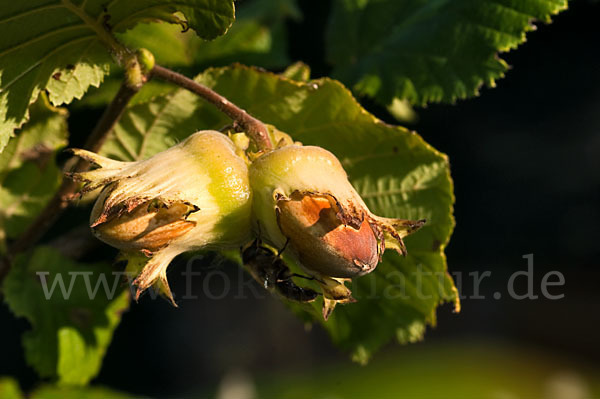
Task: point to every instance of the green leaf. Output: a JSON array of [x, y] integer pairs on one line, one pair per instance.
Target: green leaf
[[396, 172], [297, 71], [168, 43], [28, 172], [258, 37], [148, 128], [428, 50], [61, 45], [9, 389], [73, 309], [103, 95]]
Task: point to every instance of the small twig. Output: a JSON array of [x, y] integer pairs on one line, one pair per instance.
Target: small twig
[[256, 129], [59, 201]]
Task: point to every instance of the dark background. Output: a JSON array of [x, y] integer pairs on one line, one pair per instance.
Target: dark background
[[525, 159]]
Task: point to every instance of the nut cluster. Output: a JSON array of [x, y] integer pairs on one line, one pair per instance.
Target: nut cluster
[[209, 192]]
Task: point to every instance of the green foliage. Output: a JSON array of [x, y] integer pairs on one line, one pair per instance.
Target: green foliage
[[297, 71], [9, 389], [150, 127], [99, 97], [258, 37], [447, 369], [73, 309], [28, 174], [398, 52], [428, 50], [61, 46], [395, 171]]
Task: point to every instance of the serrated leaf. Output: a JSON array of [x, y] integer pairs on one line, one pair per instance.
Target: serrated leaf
[[428, 50], [397, 173], [28, 172], [62, 45], [258, 37], [73, 309]]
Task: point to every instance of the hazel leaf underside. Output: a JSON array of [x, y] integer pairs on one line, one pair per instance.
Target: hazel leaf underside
[[396, 172], [62, 46], [428, 51]]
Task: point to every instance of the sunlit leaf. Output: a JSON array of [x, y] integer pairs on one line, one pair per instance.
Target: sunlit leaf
[[298, 71]]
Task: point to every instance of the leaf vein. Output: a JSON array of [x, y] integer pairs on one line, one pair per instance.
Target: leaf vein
[[145, 135], [125, 146], [32, 11], [133, 16], [40, 61], [42, 37]]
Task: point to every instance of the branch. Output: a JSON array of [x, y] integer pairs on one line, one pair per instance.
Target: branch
[[60, 200], [255, 128]]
